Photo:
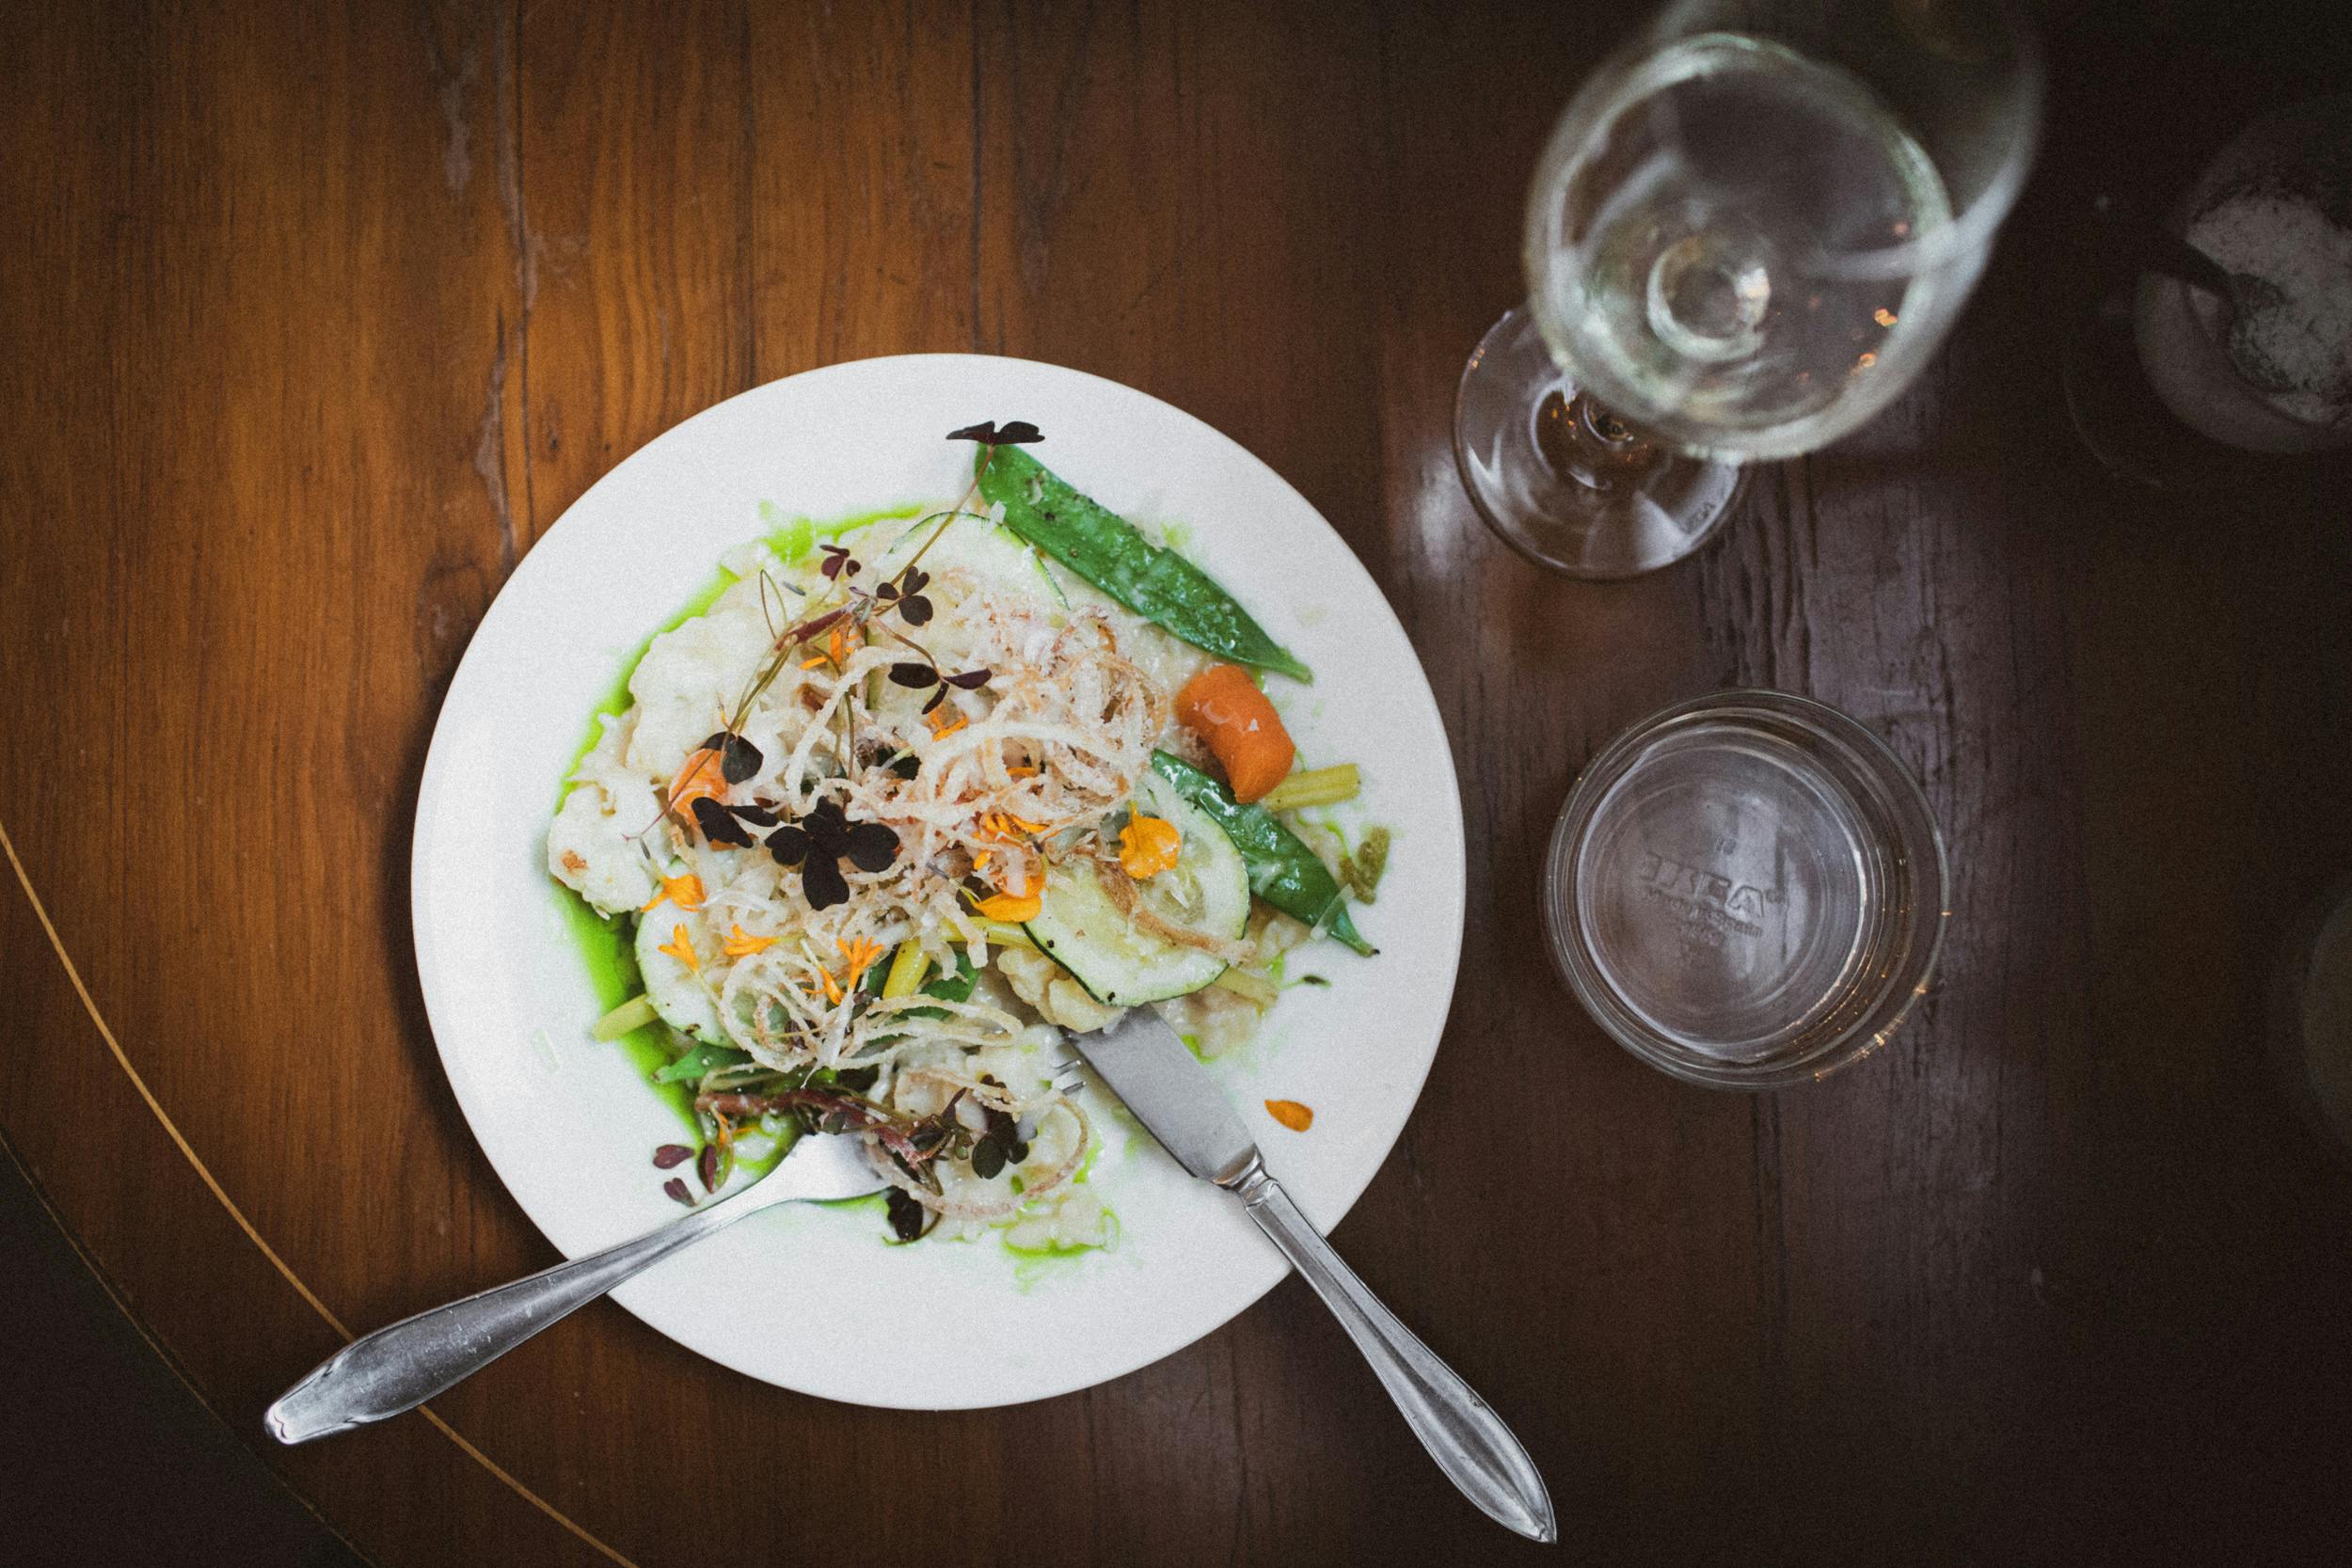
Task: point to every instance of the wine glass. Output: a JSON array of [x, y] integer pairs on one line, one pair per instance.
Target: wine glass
[[1748, 234]]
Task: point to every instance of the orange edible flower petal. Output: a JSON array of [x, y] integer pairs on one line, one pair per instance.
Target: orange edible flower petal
[[942, 727], [681, 949], [684, 892], [1012, 909], [1291, 1113], [738, 945], [831, 987], [861, 953], [1149, 846]]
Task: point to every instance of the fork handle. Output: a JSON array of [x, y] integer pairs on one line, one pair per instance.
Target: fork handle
[[399, 1368], [1462, 1433]]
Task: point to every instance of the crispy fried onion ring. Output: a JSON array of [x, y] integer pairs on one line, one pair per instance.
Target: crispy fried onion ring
[[1061, 706], [1129, 900]]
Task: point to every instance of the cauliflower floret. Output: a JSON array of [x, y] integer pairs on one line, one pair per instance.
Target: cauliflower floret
[[588, 845], [686, 677], [1059, 999], [588, 851]]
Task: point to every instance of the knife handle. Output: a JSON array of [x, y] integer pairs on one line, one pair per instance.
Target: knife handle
[[1462, 1433]]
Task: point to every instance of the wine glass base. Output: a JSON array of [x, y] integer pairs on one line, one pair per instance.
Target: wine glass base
[[1560, 481]]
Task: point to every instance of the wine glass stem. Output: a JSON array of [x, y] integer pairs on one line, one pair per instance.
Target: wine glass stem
[[1587, 443]]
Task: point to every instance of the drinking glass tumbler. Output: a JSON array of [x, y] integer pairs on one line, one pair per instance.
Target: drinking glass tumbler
[[1746, 890]]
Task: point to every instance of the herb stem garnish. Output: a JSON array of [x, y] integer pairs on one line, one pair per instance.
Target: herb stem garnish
[[902, 592], [828, 1111], [1015, 433]]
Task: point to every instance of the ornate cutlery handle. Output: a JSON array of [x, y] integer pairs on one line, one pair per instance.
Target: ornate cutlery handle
[[397, 1368], [1462, 1433]]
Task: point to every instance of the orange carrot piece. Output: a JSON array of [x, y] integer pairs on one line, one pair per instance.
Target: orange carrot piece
[[1224, 706], [1291, 1113], [699, 778]]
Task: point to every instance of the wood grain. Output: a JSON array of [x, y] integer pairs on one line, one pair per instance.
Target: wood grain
[[315, 318]]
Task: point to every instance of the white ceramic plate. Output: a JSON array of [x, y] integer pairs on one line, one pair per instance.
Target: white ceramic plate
[[810, 1298]]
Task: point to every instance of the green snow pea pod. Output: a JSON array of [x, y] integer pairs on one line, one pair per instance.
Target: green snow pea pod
[[700, 1060], [1104, 549], [1282, 870]]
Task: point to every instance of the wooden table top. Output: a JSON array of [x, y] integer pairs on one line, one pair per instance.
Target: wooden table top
[[315, 317]]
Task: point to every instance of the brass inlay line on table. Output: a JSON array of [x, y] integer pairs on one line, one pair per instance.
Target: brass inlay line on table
[[89, 1004]]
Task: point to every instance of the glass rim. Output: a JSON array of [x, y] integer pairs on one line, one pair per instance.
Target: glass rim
[[1970, 231], [1871, 1027]]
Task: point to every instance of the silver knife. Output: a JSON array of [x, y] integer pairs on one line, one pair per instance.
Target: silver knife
[[1180, 1104]]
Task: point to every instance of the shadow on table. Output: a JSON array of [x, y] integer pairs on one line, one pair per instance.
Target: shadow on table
[[110, 1458]]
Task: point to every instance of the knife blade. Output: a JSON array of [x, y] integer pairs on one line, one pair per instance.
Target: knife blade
[[1172, 1094], [1180, 1104]]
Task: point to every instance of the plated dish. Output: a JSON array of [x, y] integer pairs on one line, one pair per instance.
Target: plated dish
[[1106, 1255], [900, 805]]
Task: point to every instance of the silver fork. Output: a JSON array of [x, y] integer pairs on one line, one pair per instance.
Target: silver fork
[[1069, 1077], [399, 1368]]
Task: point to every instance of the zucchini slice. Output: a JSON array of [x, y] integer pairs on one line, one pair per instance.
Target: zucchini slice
[[1079, 927]]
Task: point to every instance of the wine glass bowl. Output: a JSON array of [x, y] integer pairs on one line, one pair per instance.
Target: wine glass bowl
[[1748, 232]]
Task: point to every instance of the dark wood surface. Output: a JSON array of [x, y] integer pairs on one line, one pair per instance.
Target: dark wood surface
[[314, 317]]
